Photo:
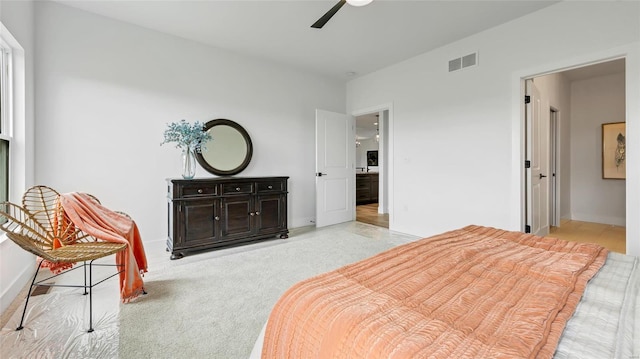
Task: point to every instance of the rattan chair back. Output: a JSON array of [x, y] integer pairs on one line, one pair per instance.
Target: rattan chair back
[[24, 230], [42, 227]]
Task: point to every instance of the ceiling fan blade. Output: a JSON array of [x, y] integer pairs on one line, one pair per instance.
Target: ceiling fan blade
[[323, 20]]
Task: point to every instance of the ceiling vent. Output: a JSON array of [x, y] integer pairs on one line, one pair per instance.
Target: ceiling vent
[[464, 61]]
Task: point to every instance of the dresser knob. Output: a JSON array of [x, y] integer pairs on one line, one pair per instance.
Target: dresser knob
[[200, 190], [252, 214], [238, 189], [216, 218], [270, 187], [257, 213]]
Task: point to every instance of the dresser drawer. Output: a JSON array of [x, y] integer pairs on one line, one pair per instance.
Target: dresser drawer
[[363, 184], [272, 186], [362, 195], [231, 188], [363, 181], [189, 191]]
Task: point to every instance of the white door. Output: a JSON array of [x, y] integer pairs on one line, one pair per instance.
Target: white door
[[537, 157], [335, 168]]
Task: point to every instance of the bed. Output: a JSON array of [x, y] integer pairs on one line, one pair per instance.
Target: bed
[[475, 292]]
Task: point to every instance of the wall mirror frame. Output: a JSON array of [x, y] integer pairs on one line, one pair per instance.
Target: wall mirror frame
[[229, 151]]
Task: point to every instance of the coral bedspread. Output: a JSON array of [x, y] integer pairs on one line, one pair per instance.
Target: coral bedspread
[[476, 292]]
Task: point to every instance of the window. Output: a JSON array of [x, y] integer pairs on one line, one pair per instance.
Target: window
[[4, 169], [5, 116]]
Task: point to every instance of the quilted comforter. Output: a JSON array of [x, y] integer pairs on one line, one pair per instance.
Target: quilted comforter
[[476, 292]]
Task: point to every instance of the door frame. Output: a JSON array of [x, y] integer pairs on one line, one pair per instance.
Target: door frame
[[385, 155], [518, 191], [554, 164]]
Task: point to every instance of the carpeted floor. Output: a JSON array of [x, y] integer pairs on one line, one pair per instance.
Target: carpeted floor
[[216, 308], [208, 305]]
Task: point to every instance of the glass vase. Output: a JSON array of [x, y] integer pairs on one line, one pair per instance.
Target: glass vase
[[188, 163]]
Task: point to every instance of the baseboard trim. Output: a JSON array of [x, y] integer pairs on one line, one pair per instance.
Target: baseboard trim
[[614, 221], [13, 290]]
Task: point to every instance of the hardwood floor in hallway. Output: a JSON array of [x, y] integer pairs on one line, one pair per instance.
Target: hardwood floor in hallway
[[606, 235], [368, 213]]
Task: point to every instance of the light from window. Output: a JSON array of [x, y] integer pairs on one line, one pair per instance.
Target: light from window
[[5, 138], [4, 169]]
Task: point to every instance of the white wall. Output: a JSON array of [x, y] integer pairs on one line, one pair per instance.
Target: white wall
[[457, 137], [16, 265], [107, 89], [595, 101]]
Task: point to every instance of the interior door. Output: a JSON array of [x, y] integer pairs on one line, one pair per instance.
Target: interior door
[[335, 168], [537, 157]]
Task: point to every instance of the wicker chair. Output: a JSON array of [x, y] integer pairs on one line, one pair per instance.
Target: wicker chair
[[41, 227]]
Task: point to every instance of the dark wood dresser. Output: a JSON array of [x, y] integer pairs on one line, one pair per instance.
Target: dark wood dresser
[[212, 213], [367, 188]]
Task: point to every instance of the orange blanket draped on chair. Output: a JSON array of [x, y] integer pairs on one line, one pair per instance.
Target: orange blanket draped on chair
[[105, 224]]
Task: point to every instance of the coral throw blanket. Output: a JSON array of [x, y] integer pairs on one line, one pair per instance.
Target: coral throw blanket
[[476, 292], [102, 223]]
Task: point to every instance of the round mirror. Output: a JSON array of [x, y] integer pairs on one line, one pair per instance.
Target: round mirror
[[228, 152]]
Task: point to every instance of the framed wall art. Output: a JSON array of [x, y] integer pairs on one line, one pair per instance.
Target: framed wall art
[[372, 158], [614, 161]]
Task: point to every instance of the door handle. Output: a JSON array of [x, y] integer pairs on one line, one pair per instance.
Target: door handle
[[320, 174], [542, 176]]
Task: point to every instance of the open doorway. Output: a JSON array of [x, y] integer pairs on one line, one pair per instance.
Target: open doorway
[[371, 192], [582, 203]]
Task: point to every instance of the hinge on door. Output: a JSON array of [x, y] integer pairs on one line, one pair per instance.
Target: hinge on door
[[527, 99], [527, 229], [527, 164]]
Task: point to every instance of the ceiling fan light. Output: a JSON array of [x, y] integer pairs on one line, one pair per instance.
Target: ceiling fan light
[[359, 2]]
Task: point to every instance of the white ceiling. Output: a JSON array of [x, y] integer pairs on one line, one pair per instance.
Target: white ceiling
[[356, 40]]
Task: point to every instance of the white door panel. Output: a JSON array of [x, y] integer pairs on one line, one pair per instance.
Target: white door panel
[[537, 127], [335, 168], [336, 200]]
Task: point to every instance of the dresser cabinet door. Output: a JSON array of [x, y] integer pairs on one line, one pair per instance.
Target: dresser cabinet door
[[199, 224], [238, 216], [270, 212]]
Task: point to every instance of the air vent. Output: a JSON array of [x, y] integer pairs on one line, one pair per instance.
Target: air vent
[[464, 61], [455, 64], [40, 290], [469, 60]]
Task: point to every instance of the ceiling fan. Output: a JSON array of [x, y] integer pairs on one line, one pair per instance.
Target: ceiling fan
[[323, 20]]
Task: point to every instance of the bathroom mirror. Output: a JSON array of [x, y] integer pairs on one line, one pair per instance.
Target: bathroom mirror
[[228, 152]]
